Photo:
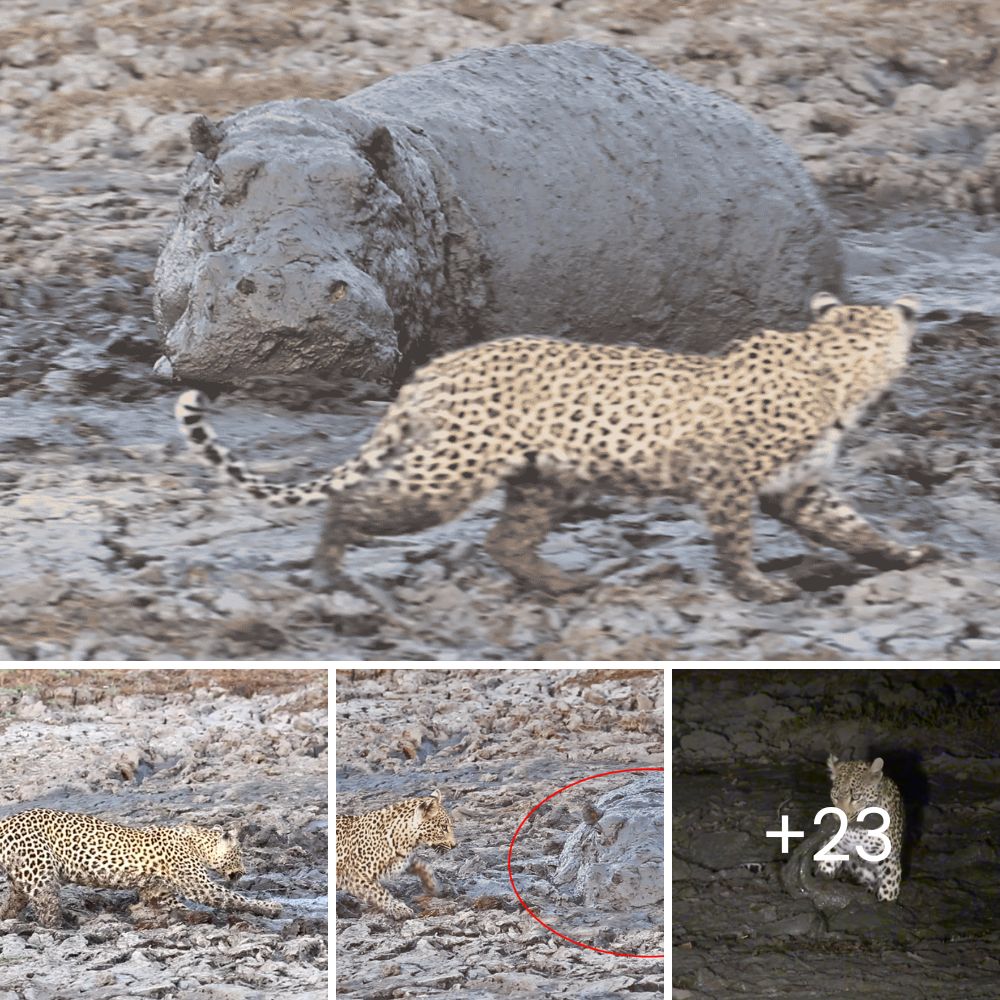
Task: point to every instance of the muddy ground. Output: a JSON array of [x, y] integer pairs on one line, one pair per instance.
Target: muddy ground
[[117, 546], [163, 748], [496, 743], [750, 747]]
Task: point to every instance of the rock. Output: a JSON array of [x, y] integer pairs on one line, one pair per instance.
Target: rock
[[567, 189], [710, 745], [231, 602]]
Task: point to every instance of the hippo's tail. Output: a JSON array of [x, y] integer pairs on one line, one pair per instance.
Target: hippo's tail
[[193, 424]]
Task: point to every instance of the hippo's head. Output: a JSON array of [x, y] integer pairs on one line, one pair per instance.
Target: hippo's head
[[279, 255]]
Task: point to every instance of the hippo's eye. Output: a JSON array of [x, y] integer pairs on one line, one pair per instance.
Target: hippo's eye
[[338, 290], [246, 286]]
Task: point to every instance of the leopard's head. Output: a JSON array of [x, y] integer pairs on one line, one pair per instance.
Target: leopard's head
[[855, 784], [218, 848], [434, 824]]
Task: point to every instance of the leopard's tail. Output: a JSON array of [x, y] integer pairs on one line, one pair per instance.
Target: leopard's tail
[[194, 426]]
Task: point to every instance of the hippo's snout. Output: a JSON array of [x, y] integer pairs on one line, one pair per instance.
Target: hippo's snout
[[282, 319]]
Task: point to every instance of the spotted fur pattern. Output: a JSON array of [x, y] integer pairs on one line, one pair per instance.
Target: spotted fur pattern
[[377, 845], [42, 848], [548, 420], [858, 784]]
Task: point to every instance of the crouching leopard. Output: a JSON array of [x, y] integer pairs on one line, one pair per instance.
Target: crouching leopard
[[857, 785], [549, 419], [42, 848], [377, 845]]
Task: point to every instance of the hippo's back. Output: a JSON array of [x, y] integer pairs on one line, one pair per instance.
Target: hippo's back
[[615, 201]]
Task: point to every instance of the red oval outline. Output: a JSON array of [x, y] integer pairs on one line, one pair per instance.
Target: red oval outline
[[510, 854]]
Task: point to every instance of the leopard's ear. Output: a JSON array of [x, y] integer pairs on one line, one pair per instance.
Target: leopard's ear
[[436, 794], [821, 302], [876, 768], [831, 763], [908, 306]]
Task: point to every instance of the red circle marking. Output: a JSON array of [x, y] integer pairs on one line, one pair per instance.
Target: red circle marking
[[510, 854]]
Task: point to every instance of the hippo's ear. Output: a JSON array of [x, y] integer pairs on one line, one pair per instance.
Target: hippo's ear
[[206, 136], [379, 149]]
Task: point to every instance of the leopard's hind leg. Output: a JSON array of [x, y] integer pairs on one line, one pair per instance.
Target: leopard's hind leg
[[382, 506]]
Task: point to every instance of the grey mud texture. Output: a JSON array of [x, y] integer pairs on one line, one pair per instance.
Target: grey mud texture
[[569, 189]]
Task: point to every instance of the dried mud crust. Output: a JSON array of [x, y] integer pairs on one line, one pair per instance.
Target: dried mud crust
[[890, 100], [170, 747], [496, 743], [118, 546]]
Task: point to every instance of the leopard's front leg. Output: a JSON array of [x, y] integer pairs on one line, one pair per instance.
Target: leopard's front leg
[[728, 513], [34, 880], [196, 885], [426, 876], [828, 867], [375, 894], [13, 903], [823, 515], [158, 894]]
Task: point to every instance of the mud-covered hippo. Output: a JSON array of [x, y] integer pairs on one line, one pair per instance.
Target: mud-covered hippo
[[568, 189]]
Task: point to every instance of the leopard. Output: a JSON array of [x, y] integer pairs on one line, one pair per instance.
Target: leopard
[[551, 422], [40, 849], [376, 845], [857, 784]]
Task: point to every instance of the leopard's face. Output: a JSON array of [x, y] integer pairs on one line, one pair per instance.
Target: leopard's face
[[851, 792], [436, 830], [857, 784], [218, 848], [227, 858]]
